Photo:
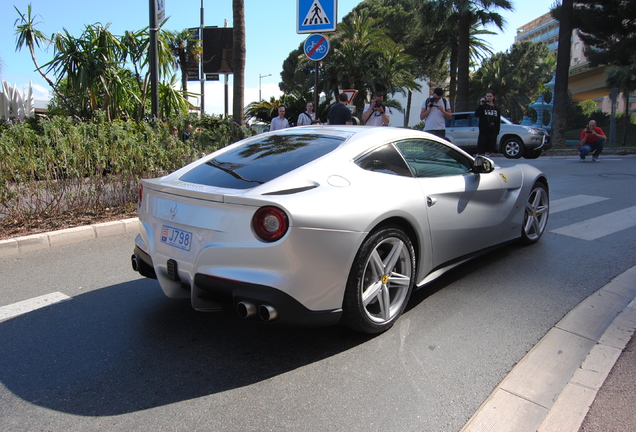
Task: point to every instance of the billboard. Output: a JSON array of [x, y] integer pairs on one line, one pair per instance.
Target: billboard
[[217, 50]]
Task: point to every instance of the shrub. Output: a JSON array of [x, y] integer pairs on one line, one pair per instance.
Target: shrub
[[64, 164]]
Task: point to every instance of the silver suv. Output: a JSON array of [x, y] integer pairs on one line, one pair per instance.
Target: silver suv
[[513, 141]]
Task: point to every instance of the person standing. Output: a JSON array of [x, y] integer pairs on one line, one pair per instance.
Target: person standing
[[187, 133], [376, 113], [592, 138], [339, 114], [436, 110], [489, 124], [307, 117], [279, 122]]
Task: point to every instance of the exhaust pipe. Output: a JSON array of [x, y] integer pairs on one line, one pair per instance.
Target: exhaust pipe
[[245, 309], [135, 263], [267, 313]]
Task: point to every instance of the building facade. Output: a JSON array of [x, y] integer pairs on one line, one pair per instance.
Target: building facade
[[586, 82]]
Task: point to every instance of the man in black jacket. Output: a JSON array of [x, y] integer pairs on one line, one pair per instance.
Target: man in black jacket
[[489, 124]]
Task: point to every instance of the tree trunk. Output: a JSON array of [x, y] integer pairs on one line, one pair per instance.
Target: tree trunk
[[611, 139], [559, 121], [238, 54], [407, 112], [463, 62], [183, 65], [626, 94], [452, 91]]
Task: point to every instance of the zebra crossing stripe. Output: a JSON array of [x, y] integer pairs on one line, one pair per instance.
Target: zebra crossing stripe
[[573, 202], [26, 306], [601, 226]]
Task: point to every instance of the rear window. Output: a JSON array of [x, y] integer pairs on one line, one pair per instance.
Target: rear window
[[258, 162]]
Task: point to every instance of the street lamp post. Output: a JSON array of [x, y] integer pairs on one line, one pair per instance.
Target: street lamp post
[[260, 98]]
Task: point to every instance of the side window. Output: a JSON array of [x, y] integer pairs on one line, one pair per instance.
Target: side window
[[385, 159], [427, 158], [460, 120], [474, 121]]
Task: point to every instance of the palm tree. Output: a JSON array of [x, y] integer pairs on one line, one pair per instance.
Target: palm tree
[[396, 73], [263, 110], [186, 50], [135, 47], [354, 62], [466, 12], [90, 65], [172, 102], [28, 35], [238, 55]]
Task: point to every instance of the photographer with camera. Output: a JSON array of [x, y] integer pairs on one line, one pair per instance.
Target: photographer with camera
[[592, 139], [436, 110], [489, 124], [376, 113]]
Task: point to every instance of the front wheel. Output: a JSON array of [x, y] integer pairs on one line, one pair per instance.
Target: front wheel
[[513, 148], [536, 214], [380, 282]]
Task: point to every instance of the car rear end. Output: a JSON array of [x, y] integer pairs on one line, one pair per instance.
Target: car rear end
[[238, 247]]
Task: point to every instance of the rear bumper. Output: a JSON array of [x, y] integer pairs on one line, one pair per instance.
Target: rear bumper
[[267, 303], [237, 294], [142, 263]]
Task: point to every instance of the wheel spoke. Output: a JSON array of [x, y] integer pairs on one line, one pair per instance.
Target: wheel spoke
[[376, 265], [398, 280], [394, 255], [373, 292], [384, 300]]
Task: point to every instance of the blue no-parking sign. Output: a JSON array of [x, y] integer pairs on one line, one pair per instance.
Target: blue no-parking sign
[[316, 47], [314, 16]]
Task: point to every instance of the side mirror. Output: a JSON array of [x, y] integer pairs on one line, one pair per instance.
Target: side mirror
[[483, 165]]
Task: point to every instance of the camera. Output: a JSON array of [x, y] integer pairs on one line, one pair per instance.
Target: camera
[[483, 101], [588, 131], [378, 103]]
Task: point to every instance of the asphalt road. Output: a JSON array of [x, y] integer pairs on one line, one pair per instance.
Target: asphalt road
[[119, 356]]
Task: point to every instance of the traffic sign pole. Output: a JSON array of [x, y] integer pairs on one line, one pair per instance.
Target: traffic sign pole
[[316, 92]]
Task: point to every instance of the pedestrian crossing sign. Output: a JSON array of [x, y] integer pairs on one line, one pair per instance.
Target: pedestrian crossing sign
[[316, 16]]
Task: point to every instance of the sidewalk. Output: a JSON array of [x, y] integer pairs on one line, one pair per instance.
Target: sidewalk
[[553, 386], [581, 362]]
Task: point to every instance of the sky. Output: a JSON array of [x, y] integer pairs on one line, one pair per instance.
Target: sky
[[270, 32]]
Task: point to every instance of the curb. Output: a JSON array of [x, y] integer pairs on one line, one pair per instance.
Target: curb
[[554, 385], [66, 236]]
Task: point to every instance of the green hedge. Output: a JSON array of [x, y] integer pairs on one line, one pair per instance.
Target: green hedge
[[63, 163]]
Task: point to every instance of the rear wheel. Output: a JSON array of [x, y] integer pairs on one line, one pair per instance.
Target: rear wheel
[[513, 148], [536, 214], [380, 282]]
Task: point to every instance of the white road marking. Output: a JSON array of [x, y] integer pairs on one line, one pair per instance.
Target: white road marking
[[573, 202], [26, 306], [598, 227]]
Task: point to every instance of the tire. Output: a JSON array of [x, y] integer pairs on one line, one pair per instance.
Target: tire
[[531, 154], [512, 148], [536, 214], [381, 280]]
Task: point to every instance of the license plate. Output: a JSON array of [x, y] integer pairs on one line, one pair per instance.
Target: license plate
[[176, 237]]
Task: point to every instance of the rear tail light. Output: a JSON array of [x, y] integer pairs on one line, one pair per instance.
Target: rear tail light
[[270, 223]]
